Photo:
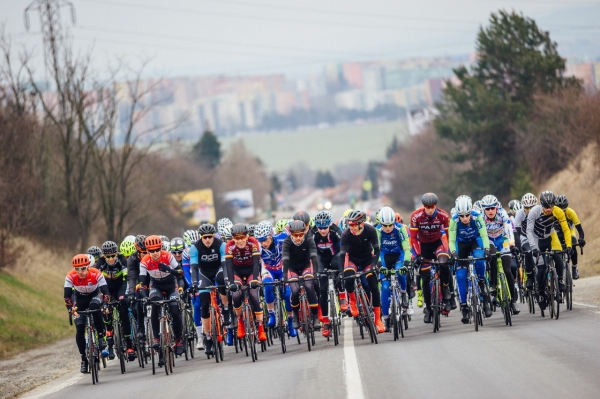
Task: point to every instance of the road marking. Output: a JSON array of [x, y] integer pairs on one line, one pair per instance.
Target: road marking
[[53, 387], [354, 387], [586, 305]]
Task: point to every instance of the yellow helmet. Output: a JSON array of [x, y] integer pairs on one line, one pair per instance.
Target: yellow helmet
[[347, 212]]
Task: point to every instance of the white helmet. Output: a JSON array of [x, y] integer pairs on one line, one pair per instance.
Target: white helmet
[[464, 205], [129, 238], [477, 206], [489, 201], [453, 212], [226, 232], [386, 216], [190, 237], [223, 222], [263, 230], [529, 200]]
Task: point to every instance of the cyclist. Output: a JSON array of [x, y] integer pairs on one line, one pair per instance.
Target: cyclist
[[190, 237], [133, 272], [515, 206], [242, 258], [500, 232], [468, 235], [272, 257], [540, 222], [85, 288], [359, 249], [207, 261], [428, 230], [96, 252], [528, 201], [113, 266], [395, 257], [327, 236], [160, 272], [299, 251], [563, 203]]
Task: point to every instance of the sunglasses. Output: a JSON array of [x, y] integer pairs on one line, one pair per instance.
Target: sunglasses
[[387, 225], [297, 235], [207, 236], [151, 251], [429, 206], [322, 228], [527, 207], [81, 269], [464, 216], [354, 224], [240, 237], [176, 252], [110, 256], [490, 208]]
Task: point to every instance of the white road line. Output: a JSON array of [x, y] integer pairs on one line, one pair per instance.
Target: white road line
[[586, 305], [53, 387], [354, 387]]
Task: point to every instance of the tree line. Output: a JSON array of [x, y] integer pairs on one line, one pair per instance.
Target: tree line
[[505, 124]]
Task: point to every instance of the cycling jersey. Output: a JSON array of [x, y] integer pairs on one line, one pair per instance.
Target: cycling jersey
[[207, 258], [500, 230], [185, 265], [133, 271], [243, 261], [540, 225], [151, 268], [89, 285], [426, 229], [115, 273], [461, 232], [573, 221], [398, 240], [272, 257], [362, 248], [328, 245], [299, 257]]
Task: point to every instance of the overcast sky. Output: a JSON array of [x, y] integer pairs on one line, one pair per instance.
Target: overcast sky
[[292, 36]]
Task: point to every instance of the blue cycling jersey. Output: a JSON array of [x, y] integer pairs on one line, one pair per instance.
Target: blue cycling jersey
[[392, 242], [185, 265], [468, 232], [272, 256]]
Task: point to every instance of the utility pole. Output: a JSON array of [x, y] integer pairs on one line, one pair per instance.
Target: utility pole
[[51, 27]]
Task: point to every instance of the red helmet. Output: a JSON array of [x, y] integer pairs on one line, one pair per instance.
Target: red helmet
[[153, 242], [398, 218], [81, 260]]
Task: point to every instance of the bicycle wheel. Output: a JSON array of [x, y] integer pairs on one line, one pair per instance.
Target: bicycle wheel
[[251, 336], [281, 324], [568, 294], [304, 312], [435, 299], [91, 356], [163, 351], [213, 333], [368, 316], [333, 318], [118, 338], [393, 317], [474, 306], [151, 350], [556, 296]]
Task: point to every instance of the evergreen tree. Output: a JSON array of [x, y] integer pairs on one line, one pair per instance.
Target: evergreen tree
[[207, 150]]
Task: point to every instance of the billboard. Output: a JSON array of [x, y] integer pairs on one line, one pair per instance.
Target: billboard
[[241, 203], [197, 206]]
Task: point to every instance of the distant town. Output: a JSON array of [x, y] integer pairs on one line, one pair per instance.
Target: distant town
[[344, 93]]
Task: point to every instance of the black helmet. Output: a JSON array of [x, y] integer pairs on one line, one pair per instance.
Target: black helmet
[[238, 229], [561, 201], [251, 230], [206, 228], [94, 251], [177, 244], [109, 247], [356, 216], [140, 243], [429, 199], [297, 225], [547, 199], [301, 215]]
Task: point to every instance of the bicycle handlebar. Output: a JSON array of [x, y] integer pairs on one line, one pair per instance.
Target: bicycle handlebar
[[470, 258]]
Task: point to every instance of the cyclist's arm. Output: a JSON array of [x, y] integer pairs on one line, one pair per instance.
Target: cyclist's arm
[[223, 262], [312, 250], [564, 226], [68, 291], [144, 276], [376, 249], [452, 235], [480, 223], [103, 287], [132, 271], [404, 240], [572, 216], [533, 215], [193, 261], [229, 268], [286, 257], [186, 264]]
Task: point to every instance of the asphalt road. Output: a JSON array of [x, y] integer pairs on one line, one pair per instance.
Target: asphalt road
[[535, 358]]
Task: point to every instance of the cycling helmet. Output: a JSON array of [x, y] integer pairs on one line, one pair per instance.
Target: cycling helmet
[[453, 212], [387, 216], [489, 201], [357, 216], [529, 200], [311, 222], [81, 260], [515, 206], [477, 206], [463, 205], [429, 199], [153, 242], [223, 222], [343, 225], [165, 238], [109, 247], [166, 245], [127, 248], [206, 228], [140, 243], [301, 215], [94, 251], [347, 212], [281, 225], [177, 244], [297, 226], [251, 228], [263, 230], [239, 229], [399, 218], [129, 238], [190, 237], [323, 219], [547, 199], [226, 233], [561, 201]]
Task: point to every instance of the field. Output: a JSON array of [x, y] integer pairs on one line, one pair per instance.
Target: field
[[32, 310], [322, 148]]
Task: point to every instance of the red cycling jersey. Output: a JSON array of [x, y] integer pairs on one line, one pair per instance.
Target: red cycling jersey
[[426, 229], [88, 285], [150, 267], [242, 257]]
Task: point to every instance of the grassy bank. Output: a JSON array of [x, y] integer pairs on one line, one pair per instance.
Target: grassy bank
[[32, 311], [580, 183]]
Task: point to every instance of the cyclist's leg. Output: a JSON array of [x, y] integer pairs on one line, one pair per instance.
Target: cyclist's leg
[[175, 313], [506, 259], [82, 303], [371, 278], [387, 262], [155, 295], [464, 249], [543, 245], [324, 264], [311, 292], [442, 255], [124, 315], [205, 280], [493, 266]]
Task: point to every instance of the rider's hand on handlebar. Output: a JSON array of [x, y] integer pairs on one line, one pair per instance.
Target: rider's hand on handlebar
[[581, 242]]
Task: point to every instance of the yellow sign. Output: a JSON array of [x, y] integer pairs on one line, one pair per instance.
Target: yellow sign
[[198, 206]]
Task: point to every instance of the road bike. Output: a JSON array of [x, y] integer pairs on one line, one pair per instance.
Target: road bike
[[335, 316], [138, 343], [474, 295], [92, 352], [217, 329], [250, 338], [189, 334], [503, 293], [366, 315], [305, 316], [281, 328], [118, 338]]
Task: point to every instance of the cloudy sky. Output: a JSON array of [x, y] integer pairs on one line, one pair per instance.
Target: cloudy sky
[[293, 36]]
